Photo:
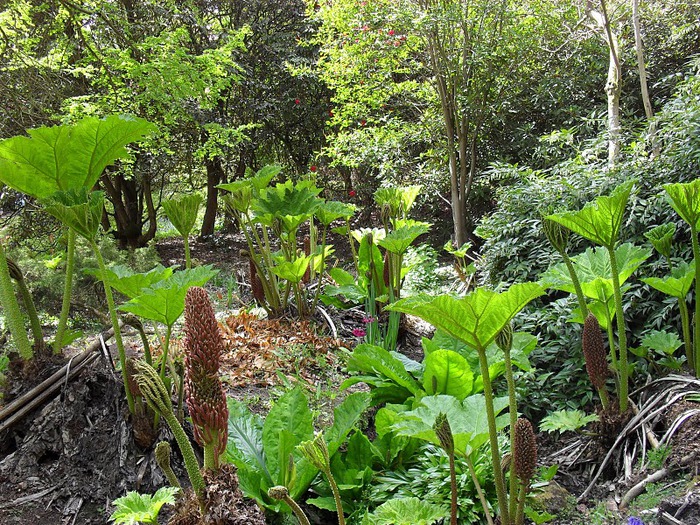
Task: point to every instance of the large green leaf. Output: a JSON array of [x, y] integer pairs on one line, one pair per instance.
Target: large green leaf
[[678, 283], [78, 209], [288, 423], [65, 157], [467, 419], [291, 203], [345, 417], [476, 318], [368, 358], [332, 210], [244, 447], [599, 221], [593, 265], [129, 283], [398, 240], [164, 301], [292, 271], [685, 199], [182, 212], [447, 372]]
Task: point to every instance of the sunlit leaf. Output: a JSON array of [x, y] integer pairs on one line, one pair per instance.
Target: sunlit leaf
[[78, 209], [406, 511], [135, 508], [599, 221], [182, 212], [678, 284], [685, 199], [474, 319], [66, 157]]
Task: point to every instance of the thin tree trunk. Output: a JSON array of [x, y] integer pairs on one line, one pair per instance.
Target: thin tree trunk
[[215, 174], [646, 100]]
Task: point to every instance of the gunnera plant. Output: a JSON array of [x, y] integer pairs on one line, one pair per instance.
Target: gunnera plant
[[204, 392]]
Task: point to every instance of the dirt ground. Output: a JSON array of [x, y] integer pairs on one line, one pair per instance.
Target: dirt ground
[[65, 462]]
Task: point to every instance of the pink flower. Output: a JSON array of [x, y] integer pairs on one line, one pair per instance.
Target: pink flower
[[358, 332], [297, 101], [368, 319]]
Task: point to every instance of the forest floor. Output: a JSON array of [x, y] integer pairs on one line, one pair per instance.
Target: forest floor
[[68, 459]]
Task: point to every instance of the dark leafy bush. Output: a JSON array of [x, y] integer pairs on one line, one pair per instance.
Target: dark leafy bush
[[516, 249]]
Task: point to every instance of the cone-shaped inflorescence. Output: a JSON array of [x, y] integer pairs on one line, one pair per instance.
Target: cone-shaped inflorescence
[[525, 452], [524, 462], [595, 355], [204, 392]]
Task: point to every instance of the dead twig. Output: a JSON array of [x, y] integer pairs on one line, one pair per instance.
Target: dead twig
[[660, 474]]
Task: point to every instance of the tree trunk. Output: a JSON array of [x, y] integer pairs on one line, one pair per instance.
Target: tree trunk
[[613, 86], [215, 176], [646, 100], [127, 197]]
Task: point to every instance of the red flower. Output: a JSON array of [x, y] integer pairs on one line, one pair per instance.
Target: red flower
[[330, 113], [363, 122], [391, 32], [313, 169], [297, 101], [352, 193]]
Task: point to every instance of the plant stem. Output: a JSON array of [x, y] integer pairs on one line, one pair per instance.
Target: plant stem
[[696, 320], [453, 489], [336, 496], [115, 324], [577, 284], [188, 456], [188, 260], [166, 347], [67, 291], [13, 315], [493, 439], [479, 490], [513, 412], [520, 513], [687, 339], [621, 334], [28, 305]]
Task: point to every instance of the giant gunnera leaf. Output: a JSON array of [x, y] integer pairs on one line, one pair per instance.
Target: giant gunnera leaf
[[61, 158]]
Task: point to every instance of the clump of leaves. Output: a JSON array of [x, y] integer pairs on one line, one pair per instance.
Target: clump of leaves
[[142, 508], [406, 511], [566, 420]]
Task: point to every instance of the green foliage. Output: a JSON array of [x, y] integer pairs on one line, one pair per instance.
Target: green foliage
[[467, 419], [474, 319], [405, 511], [79, 209], [566, 421], [425, 477], [137, 508], [60, 158], [266, 452]]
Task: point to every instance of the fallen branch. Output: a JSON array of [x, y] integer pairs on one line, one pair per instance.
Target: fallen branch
[[660, 474], [20, 407]]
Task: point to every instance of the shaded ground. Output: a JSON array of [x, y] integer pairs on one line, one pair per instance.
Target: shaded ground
[[65, 462]]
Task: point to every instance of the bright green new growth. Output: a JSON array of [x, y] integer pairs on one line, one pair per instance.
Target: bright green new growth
[[182, 213], [678, 285], [162, 453], [405, 511], [600, 222], [137, 508], [685, 199], [280, 493], [316, 451], [13, 315], [158, 398], [18, 276]]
